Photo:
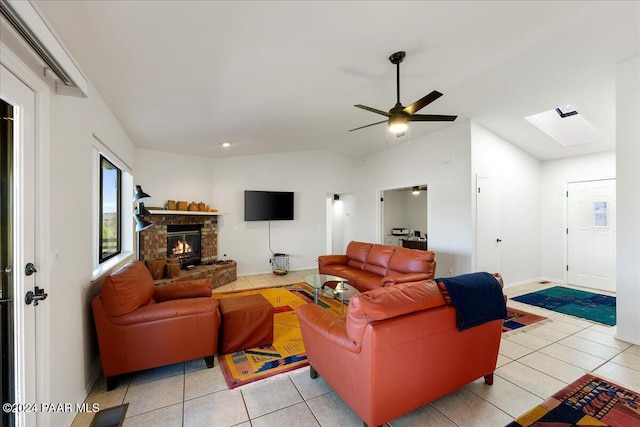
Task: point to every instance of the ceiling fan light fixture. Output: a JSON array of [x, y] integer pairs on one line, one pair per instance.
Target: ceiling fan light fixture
[[398, 124]]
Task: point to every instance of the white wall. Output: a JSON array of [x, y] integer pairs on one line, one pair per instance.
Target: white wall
[[416, 211], [442, 160], [311, 175], [394, 211], [221, 182], [555, 176], [519, 175], [171, 176], [74, 352], [628, 199]]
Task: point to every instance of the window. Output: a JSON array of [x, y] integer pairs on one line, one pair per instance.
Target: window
[[110, 228], [599, 214]]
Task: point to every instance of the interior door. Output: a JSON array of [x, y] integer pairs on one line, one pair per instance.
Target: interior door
[[21, 240], [591, 240], [488, 238]]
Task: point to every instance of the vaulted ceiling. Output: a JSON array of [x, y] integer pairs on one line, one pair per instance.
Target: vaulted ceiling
[[184, 76]]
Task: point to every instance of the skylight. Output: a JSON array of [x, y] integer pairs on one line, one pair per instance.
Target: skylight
[[566, 126]]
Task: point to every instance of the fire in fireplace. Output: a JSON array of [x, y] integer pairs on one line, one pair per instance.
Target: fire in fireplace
[[183, 242], [182, 247]]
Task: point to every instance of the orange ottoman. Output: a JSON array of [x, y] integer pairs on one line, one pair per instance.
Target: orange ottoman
[[247, 322]]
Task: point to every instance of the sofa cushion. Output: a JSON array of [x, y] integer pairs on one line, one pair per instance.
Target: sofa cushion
[[378, 259], [357, 253], [385, 303], [127, 289], [366, 281], [413, 260]]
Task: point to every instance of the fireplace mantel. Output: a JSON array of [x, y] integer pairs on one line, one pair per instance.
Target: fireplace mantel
[[167, 212]]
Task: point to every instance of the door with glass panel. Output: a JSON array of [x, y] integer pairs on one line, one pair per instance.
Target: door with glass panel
[[17, 248], [591, 234]]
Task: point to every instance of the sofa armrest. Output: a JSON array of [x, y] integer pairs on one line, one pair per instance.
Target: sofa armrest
[[319, 325], [332, 259], [394, 278], [180, 290]]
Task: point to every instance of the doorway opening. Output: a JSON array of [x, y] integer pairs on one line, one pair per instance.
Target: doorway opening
[[404, 220]]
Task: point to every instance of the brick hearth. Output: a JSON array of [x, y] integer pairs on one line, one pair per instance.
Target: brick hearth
[[153, 246]]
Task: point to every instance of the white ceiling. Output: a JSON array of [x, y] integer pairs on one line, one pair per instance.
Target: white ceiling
[[183, 76]]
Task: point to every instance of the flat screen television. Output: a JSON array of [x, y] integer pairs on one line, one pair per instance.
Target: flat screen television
[[268, 205]]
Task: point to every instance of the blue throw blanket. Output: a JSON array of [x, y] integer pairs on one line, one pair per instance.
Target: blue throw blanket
[[477, 298]]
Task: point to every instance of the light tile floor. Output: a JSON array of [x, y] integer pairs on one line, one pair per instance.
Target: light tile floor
[[534, 362]]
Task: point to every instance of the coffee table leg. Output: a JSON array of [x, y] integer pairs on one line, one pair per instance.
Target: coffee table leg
[[315, 295]]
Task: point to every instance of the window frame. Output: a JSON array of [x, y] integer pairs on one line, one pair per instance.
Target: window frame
[[101, 258]]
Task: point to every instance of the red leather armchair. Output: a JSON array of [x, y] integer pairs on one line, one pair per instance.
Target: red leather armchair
[[397, 348], [141, 326]]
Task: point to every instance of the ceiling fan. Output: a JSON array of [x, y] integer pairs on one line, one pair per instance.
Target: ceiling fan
[[399, 116]]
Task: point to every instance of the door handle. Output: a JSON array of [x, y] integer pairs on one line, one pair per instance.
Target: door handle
[[498, 240], [36, 296]]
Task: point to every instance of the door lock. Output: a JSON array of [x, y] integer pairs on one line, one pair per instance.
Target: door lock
[[36, 296], [29, 269]]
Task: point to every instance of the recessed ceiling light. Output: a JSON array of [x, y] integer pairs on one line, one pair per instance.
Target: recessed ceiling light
[[226, 144]]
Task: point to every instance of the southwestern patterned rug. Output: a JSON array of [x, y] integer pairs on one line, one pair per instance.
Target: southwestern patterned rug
[[586, 305], [287, 351], [588, 401]]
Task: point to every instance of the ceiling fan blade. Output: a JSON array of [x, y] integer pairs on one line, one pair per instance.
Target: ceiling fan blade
[[373, 110], [366, 126], [431, 118], [422, 102]]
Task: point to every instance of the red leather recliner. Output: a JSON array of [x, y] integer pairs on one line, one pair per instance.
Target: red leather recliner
[[141, 326], [397, 348]]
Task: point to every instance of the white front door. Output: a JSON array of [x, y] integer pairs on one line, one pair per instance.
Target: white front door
[[488, 237], [591, 242], [22, 193]]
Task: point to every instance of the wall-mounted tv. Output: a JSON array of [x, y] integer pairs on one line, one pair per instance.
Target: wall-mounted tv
[[268, 205]]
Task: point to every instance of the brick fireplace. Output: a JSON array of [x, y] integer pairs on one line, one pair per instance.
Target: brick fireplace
[[153, 246]]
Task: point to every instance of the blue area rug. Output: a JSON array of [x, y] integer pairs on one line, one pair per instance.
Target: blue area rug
[[586, 305]]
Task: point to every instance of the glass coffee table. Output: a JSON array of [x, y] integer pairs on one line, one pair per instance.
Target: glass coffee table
[[335, 285]]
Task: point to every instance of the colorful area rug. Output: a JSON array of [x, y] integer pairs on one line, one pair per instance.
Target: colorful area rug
[[517, 319], [586, 305], [287, 351], [588, 401]]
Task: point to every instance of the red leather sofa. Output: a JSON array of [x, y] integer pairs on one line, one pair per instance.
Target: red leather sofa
[[397, 349], [141, 326], [370, 266]]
